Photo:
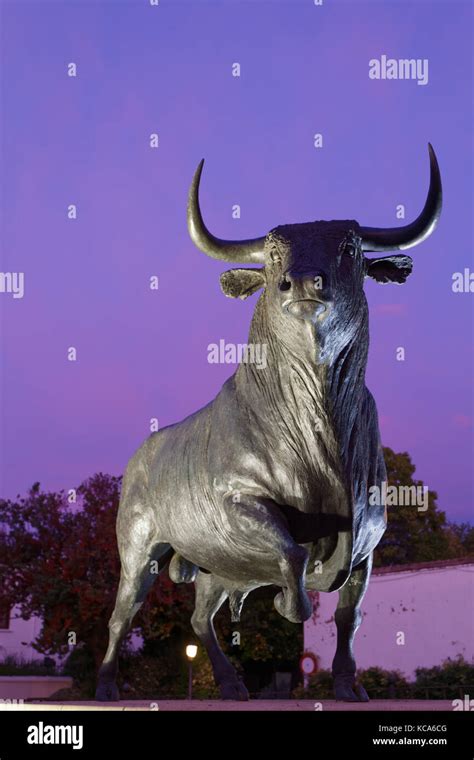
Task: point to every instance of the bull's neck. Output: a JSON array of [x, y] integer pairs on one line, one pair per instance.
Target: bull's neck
[[310, 394]]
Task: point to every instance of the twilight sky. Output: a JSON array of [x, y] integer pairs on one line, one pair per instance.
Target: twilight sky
[[142, 353]]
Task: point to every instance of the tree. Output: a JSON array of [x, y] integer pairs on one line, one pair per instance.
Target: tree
[[414, 535], [463, 534], [59, 561]]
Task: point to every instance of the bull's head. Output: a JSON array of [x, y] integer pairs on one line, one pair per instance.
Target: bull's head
[[315, 271]]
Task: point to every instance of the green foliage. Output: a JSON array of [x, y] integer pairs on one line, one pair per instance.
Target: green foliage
[[384, 684], [144, 676], [418, 536], [320, 686], [379, 683], [451, 680], [463, 534], [81, 666], [264, 634], [15, 666], [204, 686]]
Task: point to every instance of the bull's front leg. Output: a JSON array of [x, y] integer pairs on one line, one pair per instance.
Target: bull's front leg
[[260, 523], [348, 618]]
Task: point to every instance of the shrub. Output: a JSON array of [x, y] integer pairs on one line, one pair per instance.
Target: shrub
[[80, 665], [379, 683], [450, 680], [384, 684], [319, 687], [17, 666]]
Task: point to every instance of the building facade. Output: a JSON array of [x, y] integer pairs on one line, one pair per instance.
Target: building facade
[[413, 616], [16, 635]]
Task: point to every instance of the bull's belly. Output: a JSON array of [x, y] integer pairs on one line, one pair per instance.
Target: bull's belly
[[199, 530], [239, 563], [195, 524], [247, 567], [243, 565]]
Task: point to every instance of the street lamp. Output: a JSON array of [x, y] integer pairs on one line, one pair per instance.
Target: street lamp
[[191, 652]]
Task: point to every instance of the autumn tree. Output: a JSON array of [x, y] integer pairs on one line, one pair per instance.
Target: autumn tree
[[59, 561]]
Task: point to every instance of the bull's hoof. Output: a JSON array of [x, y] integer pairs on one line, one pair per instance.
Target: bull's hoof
[[234, 690], [295, 608], [347, 690], [361, 693], [107, 691]]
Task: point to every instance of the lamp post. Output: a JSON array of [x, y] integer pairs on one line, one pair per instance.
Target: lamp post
[[191, 652]]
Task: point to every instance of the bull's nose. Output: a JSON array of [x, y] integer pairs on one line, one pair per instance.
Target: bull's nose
[[303, 285], [306, 308]]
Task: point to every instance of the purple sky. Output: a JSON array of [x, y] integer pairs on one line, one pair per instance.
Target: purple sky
[[167, 69]]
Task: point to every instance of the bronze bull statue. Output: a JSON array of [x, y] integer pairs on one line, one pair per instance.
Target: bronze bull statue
[[268, 484]]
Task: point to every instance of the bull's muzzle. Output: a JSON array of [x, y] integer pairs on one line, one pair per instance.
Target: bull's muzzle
[[308, 309], [307, 295]]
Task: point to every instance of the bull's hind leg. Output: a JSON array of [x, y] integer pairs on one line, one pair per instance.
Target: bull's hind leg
[[264, 526], [140, 556], [348, 618], [210, 595]]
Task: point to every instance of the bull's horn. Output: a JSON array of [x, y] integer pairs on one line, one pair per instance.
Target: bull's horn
[[243, 251], [400, 238]]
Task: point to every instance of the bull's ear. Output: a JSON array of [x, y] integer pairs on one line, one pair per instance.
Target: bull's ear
[[390, 268], [241, 283]]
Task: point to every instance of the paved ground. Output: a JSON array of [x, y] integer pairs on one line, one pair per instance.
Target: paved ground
[[283, 705]]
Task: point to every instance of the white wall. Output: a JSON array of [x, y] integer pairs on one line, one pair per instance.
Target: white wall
[[17, 639], [20, 631], [433, 608]]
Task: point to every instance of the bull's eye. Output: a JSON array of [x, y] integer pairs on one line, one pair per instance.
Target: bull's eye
[[275, 257], [349, 250]]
